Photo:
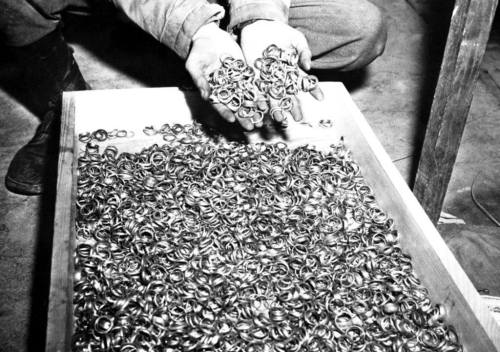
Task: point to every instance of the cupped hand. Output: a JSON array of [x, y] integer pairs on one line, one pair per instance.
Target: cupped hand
[[209, 45], [259, 35]]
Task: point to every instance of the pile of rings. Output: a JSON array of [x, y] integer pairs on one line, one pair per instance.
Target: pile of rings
[[276, 76], [204, 246]]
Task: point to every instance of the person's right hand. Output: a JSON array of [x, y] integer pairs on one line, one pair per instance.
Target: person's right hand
[[209, 44]]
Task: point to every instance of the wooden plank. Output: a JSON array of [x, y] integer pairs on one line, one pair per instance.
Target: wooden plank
[[469, 30], [60, 311], [437, 267]]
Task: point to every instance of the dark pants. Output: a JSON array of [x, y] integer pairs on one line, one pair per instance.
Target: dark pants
[[342, 34]]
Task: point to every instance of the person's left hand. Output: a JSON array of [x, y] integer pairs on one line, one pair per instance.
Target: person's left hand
[[257, 36]]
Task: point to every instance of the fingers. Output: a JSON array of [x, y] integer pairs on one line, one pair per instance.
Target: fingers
[[262, 103], [258, 122], [246, 123], [229, 116], [223, 111], [317, 93], [276, 112], [251, 122], [296, 112]]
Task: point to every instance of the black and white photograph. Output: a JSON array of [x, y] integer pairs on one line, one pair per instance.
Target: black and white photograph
[[249, 176]]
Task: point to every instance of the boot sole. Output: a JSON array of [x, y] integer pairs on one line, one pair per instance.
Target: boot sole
[[22, 188]]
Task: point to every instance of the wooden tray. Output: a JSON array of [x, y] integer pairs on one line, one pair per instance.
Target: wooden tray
[[136, 108]]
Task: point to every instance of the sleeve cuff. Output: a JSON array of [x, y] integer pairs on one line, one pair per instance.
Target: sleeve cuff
[[180, 28], [243, 11]]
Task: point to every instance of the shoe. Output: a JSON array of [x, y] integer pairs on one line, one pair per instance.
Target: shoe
[[35, 164]]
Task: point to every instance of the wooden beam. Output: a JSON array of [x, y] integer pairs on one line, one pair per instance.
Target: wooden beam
[[469, 31], [60, 312]]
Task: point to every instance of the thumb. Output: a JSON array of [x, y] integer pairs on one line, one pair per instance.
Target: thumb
[[305, 54], [196, 70], [203, 86], [201, 82], [305, 59]]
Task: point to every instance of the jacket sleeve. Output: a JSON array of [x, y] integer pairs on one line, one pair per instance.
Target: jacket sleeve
[[172, 22], [242, 11]]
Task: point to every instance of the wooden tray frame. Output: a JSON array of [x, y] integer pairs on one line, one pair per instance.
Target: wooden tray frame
[[133, 109]]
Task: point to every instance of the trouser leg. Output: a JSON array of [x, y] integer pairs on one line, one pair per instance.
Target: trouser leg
[[31, 31], [24, 22], [342, 34], [34, 37], [49, 69]]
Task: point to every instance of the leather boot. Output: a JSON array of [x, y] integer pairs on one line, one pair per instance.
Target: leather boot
[[49, 69]]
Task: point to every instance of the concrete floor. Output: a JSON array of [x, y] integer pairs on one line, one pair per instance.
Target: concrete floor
[[393, 94]]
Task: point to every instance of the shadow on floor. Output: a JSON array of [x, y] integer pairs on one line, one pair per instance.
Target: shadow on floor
[[112, 42], [41, 272], [127, 48]]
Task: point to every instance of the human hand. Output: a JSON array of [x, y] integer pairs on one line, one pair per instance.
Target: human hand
[[209, 44], [259, 35]]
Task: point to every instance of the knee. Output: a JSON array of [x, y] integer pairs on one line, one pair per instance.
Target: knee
[[372, 36], [342, 34]]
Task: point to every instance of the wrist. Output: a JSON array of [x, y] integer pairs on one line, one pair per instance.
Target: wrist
[[207, 30], [251, 24]]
